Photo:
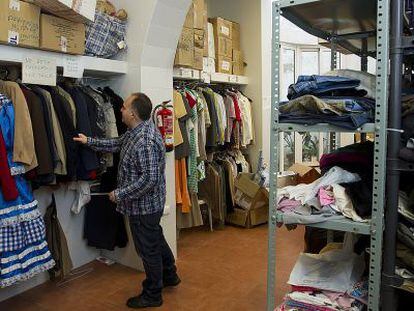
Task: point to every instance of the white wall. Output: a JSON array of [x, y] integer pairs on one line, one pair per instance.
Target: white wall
[[154, 28], [255, 44], [153, 32]]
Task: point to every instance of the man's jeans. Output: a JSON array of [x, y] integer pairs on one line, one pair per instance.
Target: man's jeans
[[150, 243], [320, 84]]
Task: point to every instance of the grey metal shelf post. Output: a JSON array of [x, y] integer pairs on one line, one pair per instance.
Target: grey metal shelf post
[[394, 144], [274, 158], [360, 42]]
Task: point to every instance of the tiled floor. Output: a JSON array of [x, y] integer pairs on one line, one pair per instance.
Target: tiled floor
[[222, 270]]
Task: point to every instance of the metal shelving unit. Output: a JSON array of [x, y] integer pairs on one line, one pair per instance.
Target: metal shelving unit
[[365, 33]]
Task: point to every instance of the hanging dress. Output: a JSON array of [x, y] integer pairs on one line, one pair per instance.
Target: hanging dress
[[23, 248]]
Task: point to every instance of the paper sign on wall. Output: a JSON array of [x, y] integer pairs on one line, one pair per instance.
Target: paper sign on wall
[[39, 70], [73, 67]]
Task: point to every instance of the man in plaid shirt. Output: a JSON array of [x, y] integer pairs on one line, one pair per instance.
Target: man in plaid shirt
[[140, 195]]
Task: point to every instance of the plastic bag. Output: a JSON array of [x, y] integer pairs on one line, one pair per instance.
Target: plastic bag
[[335, 270]]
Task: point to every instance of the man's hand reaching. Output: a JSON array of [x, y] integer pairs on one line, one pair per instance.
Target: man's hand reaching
[[81, 139]]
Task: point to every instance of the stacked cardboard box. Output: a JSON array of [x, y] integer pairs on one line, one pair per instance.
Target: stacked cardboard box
[[78, 11], [191, 45], [238, 59], [223, 44], [252, 203], [19, 23], [60, 35]]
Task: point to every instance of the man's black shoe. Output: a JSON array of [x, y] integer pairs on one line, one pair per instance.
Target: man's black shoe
[[139, 302], [172, 282]]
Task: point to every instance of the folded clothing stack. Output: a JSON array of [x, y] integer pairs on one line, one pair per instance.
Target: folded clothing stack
[[329, 281], [327, 99]]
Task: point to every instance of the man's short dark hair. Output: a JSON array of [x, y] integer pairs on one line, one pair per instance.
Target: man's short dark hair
[[141, 104]]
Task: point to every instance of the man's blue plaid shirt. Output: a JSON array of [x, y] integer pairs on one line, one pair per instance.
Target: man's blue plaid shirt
[[141, 176]]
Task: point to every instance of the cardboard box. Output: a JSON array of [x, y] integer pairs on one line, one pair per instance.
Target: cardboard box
[[248, 219], [237, 56], [305, 174], [78, 11], [19, 23], [222, 27], [238, 68], [198, 59], [236, 35], [199, 39], [224, 65], [200, 14], [287, 178], [249, 195], [253, 203], [224, 47], [189, 19], [184, 55], [60, 35]]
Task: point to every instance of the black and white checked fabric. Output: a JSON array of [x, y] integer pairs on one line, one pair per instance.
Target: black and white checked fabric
[[17, 236], [104, 36]]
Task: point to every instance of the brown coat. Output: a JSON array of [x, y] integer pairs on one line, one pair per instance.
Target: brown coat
[[23, 149]]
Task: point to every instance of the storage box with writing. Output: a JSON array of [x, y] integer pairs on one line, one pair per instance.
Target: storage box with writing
[[19, 23], [185, 50], [57, 34], [236, 36], [224, 47], [222, 27], [224, 65], [78, 11]]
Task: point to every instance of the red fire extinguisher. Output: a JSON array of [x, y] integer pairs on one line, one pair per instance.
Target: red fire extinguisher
[[164, 119]]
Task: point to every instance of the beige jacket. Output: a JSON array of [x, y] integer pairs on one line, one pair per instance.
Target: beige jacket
[[23, 149]]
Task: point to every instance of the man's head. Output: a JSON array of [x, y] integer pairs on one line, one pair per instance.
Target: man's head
[[136, 108]]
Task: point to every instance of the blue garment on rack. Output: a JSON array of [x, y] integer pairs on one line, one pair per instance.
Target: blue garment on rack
[[23, 248], [316, 84]]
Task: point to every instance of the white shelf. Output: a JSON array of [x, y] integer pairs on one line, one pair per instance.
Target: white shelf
[[229, 79], [181, 73], [186, 73], [94, 66]]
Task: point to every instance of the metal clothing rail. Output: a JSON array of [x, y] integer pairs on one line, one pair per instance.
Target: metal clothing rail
[[302, 13]]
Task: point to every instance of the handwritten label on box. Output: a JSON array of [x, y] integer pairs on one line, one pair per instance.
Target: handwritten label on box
[[39, 70], [73, 67]]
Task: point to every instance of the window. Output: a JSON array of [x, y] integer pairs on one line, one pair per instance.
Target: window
[[288, 71], [303, 60]]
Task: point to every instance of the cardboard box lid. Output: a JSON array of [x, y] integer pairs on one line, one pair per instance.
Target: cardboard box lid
[[245, 183], [301, 169]]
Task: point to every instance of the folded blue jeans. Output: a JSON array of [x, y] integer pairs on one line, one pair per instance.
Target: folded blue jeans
[[316, 84]]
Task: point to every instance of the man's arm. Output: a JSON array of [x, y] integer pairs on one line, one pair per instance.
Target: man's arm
[[149, 178], [102, 145]]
